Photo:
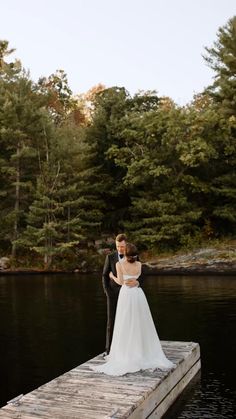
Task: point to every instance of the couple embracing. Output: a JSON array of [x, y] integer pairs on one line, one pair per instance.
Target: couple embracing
[[132, 343]]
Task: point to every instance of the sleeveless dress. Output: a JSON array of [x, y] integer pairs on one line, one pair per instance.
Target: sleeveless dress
[[135, 343]]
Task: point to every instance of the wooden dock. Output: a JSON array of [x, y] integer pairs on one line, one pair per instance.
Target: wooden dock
[[84, 394]]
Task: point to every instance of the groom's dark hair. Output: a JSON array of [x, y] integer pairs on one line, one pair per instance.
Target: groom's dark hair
[[121, 237]]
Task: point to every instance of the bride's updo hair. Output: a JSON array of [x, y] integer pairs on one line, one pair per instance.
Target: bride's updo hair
[[131, 252]]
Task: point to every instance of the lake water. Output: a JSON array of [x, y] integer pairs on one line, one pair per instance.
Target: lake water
[[52, 323]]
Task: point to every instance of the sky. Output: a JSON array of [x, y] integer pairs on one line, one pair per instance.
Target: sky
[[136, 44]]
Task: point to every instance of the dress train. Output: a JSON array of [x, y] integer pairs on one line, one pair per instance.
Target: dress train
[[135, 343]]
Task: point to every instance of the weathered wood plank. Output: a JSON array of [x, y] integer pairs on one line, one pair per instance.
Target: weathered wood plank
[[177, 390], [173, 380], [84, 394]]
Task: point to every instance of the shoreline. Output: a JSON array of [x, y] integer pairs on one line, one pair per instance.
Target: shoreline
[[202, 261], [223, 269], [228, 268]]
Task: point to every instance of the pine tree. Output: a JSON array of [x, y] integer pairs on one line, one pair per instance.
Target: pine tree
[[160, 212], [22, 126], [65, 211], [222, 59], [101, 134]]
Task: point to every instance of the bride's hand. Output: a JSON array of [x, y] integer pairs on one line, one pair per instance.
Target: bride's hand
[[115, 279]]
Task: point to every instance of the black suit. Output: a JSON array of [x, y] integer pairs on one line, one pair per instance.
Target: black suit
[[112, 289]]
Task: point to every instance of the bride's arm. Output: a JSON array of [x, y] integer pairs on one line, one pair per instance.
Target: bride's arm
[[119, 278]]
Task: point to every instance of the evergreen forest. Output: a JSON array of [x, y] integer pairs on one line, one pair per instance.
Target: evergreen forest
[[79, 168]]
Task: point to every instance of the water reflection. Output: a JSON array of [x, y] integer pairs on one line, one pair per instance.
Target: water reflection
[[50, 324]]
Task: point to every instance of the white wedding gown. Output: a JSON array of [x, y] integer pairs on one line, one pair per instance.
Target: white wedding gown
[[135, 343]]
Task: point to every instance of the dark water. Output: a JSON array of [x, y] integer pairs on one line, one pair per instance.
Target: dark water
[[50, 324]]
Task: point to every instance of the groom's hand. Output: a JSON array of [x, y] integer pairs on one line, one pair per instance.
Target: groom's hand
[[132, 283]]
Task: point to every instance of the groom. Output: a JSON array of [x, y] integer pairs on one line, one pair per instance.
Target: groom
[[111, 288]]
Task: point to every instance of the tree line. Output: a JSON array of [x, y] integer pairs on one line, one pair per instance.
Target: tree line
[[77, 168]]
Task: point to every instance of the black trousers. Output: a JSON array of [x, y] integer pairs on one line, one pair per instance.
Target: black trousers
[[112, 299]]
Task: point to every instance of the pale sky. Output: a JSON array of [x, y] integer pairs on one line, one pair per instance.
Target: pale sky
[[138, 44]]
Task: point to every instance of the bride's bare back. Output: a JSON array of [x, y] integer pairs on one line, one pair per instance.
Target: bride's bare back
[[127, 268], [131, 268]]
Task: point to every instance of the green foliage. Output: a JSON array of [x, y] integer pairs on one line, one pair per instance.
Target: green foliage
[[222, 59], [23, 124], [103, 133], [164, 174]]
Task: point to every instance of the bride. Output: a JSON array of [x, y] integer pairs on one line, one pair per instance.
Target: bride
[[135, 343]]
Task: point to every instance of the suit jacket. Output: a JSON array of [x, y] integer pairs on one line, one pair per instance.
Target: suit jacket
[[110, 286]]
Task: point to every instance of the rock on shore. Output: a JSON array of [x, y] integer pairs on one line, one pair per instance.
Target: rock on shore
[[207, 260]]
